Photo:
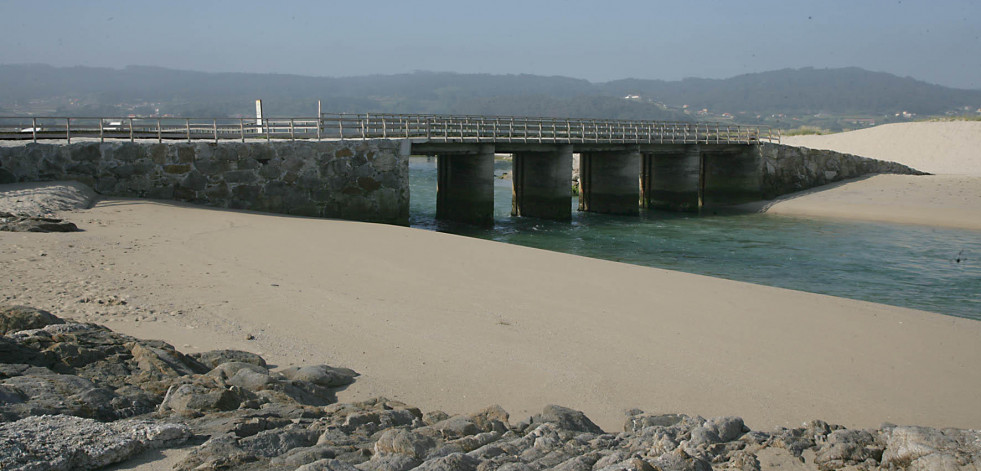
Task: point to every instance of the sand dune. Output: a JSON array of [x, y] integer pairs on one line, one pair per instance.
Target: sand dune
[[948, 147], [951, 198], [448, 322]]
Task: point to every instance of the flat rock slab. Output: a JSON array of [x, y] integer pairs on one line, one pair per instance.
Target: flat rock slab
[[43, 199], [61, 442]]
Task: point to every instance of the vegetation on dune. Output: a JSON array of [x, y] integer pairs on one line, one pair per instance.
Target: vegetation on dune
[[805, 131], [974, 117]]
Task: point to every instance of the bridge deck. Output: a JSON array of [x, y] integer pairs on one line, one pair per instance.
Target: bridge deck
[[431, 128]]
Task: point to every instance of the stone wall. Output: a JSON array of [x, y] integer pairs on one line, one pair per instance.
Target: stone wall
[[358, 180], [786, 169]]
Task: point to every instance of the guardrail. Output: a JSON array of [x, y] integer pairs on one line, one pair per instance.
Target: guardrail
[[436, 128]]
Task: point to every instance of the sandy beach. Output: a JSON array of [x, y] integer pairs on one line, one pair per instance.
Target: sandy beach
[[446, 322], [949, 198]]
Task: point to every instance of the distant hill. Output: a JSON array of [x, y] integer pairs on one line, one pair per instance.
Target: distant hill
[[805, 91], [140, 90]]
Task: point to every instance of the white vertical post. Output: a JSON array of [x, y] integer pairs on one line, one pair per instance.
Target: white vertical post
[[131, 130], [159, 133], [68, 130], [258, 116], [101, 138], [34, 129], [187, 128], [214, 127], [241, 128]]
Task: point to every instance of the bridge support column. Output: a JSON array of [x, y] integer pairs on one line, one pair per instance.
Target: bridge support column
[[465, 186], [542, 184], [731, 176], [608, 182], [671, 179]]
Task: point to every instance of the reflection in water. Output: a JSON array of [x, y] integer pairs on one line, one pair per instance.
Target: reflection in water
[[918, 267]]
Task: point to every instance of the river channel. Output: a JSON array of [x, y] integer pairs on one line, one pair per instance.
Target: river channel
[[918, 267]]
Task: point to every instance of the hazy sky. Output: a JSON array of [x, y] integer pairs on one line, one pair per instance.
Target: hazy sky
[[936, 41]]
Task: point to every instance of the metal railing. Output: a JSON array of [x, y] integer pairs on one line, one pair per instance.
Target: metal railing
[[434, 128]]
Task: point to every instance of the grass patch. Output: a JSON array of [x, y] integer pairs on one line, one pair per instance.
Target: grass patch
[[806, 131]]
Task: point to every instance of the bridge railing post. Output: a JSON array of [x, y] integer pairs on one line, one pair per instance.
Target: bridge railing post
[[34, 129], [101, 133]]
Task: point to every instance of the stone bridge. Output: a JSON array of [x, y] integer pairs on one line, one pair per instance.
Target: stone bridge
[[356, 166]]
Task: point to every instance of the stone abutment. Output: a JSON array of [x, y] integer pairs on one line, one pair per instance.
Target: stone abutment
[[357, 180]]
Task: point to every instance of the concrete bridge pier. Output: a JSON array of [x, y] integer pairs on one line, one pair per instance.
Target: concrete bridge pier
[[465, 185], [671, 178], [608, 181], [542, 183], [731, 175]]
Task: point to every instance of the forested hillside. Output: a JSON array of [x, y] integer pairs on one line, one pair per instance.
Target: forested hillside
[[783, 97]]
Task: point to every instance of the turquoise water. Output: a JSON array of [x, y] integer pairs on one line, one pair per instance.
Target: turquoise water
[[924, 268]]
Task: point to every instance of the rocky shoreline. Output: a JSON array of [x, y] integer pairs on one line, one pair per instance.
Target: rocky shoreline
[[80, 396]]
